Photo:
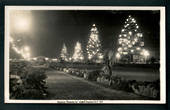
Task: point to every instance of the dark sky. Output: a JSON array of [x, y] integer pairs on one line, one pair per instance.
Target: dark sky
[[50, 29]]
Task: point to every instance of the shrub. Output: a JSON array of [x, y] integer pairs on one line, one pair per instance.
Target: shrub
[[27, 82], [93, 75], [120, 83], [35, 81], [16, 87]]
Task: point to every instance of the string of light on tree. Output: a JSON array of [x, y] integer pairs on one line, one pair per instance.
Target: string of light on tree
[[94, 46], [64, 55], [78, 53], [131, 40]]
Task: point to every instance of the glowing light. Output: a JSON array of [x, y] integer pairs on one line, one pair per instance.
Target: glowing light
[[140, 34], [120, 35], [21, 20], [94, 25], [133, 42], [34, 58], [119, 49], [142, 43], [130, 33], [123, 30], [145, 53], [136, 39], [120, 42], [125, 35], [132, 51], [26, 48], [89, 57], [129, 46], [26, 56], [138, 48], [118, 56], [125, 48], [137, 27], [100, 56], [46, 58], [125, 40], [125, 53]]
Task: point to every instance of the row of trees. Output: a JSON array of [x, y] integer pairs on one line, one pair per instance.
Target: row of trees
[[130, 47], [93, 49]]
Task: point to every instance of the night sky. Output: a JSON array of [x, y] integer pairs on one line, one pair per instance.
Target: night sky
[[50, 29]]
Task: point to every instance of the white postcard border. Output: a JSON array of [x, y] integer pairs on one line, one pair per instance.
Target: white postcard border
[[162, 54]]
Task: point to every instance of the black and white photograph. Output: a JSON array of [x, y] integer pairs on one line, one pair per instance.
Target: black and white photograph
[[87, 54]]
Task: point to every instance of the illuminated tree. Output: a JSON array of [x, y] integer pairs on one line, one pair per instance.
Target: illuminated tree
[[94, 46], [78, 53], [64, 54], [130, 42]]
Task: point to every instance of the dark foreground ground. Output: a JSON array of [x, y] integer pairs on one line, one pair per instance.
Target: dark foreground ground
[[64, 86]]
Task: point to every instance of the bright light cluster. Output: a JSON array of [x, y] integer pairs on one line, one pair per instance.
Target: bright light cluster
[[145, 53], [24, 51], [78, 53]]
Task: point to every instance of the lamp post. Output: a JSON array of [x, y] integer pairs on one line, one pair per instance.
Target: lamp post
[[146, 54], [117, 57]]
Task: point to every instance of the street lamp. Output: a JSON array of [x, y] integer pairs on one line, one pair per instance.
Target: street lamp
[[146, 54], [117, 56]]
